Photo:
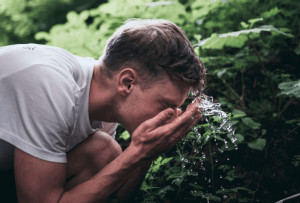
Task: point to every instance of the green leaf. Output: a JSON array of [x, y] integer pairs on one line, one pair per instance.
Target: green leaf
[[238, 113], [197, 193], [72, 17], [236, 39], [244, 25], [221, 72], [291, 89], [145, 187], [160, 3], [166, 160], [239, 137], [270, 13], [125, 135], [250, 123], [197, 187], [160, 162], [255, 20], [178, 181], [163, 191], [258, 144]]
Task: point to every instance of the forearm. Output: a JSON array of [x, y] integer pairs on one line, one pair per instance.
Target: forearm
[[119, 176], [134, 181]]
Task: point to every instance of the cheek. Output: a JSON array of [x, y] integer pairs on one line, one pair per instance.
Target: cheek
[[144, 113]]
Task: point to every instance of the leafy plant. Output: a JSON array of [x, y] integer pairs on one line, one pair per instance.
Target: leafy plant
[[251, 50]]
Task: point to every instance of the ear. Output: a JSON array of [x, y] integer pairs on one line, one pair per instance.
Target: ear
[[127, 79]]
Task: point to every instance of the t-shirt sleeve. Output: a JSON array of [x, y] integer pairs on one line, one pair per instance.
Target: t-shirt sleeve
[[37, 111], [110, 128]]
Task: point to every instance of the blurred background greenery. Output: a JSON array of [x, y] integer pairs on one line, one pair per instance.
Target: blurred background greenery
[[251, 51]]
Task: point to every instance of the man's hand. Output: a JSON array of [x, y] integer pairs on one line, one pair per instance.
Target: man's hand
[[162, 132]]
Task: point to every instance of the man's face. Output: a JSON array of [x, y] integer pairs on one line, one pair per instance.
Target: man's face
[[144, 104]]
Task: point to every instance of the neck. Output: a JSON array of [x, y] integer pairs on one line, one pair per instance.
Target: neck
[[101, 103]]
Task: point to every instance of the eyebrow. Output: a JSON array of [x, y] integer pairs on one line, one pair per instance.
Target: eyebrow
[[172, 105]]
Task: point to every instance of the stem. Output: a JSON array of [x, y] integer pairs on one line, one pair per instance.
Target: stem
[[285, 107], [242, 98], [264, 70], [231, 89], [258, 185], [235, 94], [293, 130], [211, 162]]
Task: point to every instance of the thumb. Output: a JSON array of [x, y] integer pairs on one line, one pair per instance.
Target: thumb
[[161, 118]]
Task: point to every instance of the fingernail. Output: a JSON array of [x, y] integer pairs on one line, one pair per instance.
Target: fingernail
[[170, 113]]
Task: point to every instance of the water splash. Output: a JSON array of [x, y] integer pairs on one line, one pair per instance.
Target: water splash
[[217, 119], [214, 132], [220, 127]]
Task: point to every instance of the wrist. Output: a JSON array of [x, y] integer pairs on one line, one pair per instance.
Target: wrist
[[137, 155]]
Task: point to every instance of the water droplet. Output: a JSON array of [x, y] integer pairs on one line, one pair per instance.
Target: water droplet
[[233, 139], [225, 143]]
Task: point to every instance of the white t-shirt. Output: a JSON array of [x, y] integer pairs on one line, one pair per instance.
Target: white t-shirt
[[44, 93]]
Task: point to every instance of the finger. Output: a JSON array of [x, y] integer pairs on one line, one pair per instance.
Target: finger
[[190, 116], [184, 130], [161, 118], [196, 102], [188, 128], [179, 125], [179, 111]]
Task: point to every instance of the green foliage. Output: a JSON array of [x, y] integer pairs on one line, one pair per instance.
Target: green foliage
[[291, 89], [21, 19], [251, 50], [296, 160], [237, 39], [97, 25], [258, 144], [125, 135], [250, 123]]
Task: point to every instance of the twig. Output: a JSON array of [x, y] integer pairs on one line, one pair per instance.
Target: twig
[[211, 162], [258, 184], [264, 70], [285, 107]]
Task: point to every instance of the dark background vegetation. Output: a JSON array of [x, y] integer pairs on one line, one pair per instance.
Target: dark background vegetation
[[251, 51]]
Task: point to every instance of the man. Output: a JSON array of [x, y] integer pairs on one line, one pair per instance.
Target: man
[[53, 104]]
